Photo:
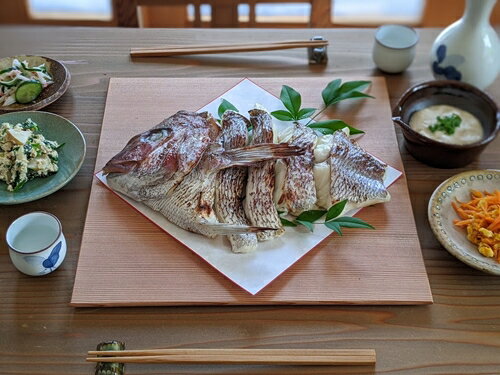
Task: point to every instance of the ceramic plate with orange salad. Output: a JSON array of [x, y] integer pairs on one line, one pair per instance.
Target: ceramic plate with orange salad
[[464, 214]]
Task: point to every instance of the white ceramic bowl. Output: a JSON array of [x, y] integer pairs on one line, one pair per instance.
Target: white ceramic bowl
[[36, 243], [441, 215], [394, 47]]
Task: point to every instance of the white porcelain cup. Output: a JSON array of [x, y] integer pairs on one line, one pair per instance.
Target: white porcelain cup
[[36, 243], [394, 47]]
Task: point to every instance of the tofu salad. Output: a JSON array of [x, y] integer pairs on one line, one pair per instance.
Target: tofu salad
[[25, 154], [21, 83]]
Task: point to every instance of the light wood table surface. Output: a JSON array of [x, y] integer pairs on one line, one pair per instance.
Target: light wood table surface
[[41, 334]]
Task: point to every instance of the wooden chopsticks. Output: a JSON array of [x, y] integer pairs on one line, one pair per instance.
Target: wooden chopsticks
[[240, 356], [224, 48]]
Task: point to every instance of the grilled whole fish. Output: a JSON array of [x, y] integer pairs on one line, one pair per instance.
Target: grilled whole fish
[[182, 183], [295, 190], [350, 173], [259, 205], [230, 184]]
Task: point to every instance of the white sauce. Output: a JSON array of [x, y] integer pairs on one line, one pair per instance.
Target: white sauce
[[469, 131]]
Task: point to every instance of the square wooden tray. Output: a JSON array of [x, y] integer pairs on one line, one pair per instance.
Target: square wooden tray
[[125, 260]]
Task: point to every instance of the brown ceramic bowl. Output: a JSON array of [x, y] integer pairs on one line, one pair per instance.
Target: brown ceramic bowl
[[49, 94], [460, 95]]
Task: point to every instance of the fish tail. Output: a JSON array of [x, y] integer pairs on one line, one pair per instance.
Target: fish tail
[[250, 155], [228, 229]]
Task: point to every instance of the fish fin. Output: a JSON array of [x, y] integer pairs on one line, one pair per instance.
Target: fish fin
[[227, 229], [250, 155]]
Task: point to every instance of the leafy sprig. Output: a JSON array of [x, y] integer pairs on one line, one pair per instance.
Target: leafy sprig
[[333, 93], [332, 220], [292, 101]]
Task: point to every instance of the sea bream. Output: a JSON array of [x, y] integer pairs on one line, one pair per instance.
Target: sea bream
[[295, 191], [347, 172], [172, 168], [231, 182], [259, 205]]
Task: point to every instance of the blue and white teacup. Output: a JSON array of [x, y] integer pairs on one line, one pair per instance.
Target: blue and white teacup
[[36, 243]]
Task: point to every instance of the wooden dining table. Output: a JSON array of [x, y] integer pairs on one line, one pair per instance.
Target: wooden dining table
[[40, 333]]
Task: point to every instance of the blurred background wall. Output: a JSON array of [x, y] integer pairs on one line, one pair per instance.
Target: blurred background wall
[[233, 13]]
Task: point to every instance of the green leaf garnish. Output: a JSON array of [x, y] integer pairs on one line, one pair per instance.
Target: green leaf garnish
[[334, 226], [287, 223], [60, 146], [311, 216], [307, 224], [335, 210], [334, 92], [225, 106], [305, 113], [351, 222], [446, 124], [330, 126], [283, 115], [291, 100]]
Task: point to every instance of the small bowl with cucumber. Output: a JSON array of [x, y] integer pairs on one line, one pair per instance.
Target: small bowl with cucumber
[[29, 83]]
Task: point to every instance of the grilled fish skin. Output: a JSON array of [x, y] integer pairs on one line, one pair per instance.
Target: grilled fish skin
[[355, 175], [259, 205], [172, 168], [295, 191], [155, 161], [230, 184], [190, 205]]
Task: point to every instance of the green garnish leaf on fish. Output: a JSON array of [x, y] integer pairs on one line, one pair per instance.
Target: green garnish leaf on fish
[[332, 220], [446, 124], [330, 126], [282, 115], [287, 223], [311, 215], [309, 225], [336, 210], [224, 106], [292, 101], [305, 113]]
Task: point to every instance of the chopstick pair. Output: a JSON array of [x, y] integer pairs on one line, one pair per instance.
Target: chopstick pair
[[239, 356], [224, 48]]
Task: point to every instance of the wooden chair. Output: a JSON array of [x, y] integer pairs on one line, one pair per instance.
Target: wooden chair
[[224, 12]]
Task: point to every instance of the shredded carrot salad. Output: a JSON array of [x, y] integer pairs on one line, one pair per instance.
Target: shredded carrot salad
[[481, 218]]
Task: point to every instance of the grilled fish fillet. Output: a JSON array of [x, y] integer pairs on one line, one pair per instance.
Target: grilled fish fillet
[[350, 173], [230, 184], [259, 205], [295, 191]]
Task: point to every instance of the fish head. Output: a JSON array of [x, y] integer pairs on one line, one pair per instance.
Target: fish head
[[165, 153]]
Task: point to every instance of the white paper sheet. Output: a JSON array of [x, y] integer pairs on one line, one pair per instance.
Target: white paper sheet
[[251, 271]]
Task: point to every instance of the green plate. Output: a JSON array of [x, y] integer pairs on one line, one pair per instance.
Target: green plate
[[55, 128]]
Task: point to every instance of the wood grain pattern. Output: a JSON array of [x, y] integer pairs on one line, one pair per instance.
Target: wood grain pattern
[[41, 334], [358, 268]]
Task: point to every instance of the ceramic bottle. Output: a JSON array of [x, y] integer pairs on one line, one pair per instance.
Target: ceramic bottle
[[469, 49]]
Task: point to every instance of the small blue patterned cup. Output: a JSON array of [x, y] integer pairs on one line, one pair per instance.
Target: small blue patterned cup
[[36, 243]]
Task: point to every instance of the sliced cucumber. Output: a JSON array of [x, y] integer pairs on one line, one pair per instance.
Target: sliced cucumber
[[10, 83], [28, 91]]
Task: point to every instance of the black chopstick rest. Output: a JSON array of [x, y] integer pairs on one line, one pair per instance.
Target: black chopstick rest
[[110, 368]]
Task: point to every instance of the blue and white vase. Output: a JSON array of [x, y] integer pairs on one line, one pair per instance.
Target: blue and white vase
[[469, 49]]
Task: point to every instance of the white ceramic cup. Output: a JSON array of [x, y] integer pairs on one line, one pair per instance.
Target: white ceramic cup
[[394, 47], [36, 243]]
